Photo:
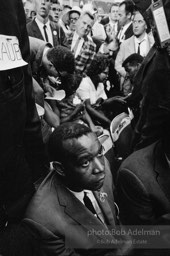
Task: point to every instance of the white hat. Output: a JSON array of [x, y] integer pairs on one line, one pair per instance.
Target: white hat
[[74, 9]]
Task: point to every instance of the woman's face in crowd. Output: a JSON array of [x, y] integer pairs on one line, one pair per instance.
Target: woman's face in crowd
[[104, 75]]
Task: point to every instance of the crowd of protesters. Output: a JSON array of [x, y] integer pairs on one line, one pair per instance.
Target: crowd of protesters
[[74, 80]]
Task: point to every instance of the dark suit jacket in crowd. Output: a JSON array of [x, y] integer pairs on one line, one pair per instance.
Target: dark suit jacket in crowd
[[156, 61], [105, 21], [143, 186], [129, 32], [22, 153], [65, 223], [58, 34]]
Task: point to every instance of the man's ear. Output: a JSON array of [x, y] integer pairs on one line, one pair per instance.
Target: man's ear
[[58, 167]]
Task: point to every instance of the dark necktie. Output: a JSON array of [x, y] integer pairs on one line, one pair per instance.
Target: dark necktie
[[139, 48], [88, 203], [45, 33]]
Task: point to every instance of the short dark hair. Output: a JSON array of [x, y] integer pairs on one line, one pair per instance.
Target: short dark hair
[[133, 59], [129, 6], [114, 4], [55, 2], [98, 64], [62, 59], [62, 133]]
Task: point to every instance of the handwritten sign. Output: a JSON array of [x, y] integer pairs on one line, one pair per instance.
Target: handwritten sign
[[10, 54]]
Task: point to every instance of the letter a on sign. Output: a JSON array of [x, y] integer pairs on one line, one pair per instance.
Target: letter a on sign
[[10, 54]]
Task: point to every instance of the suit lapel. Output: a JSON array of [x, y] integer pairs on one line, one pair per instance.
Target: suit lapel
[[128, 33], [162, 170], [55, 34], [80, 214], [75, 209], [101, 198], [36, 30]]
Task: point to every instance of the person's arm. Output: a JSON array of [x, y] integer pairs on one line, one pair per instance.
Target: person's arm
[[96, 114], [72, 115], [119, 60], [50, 117], [38, 92]]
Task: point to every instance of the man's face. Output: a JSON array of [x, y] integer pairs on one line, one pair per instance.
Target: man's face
[[111, 48], [139, 25], [123, 18], [73, 18], [29, 10], [42, 7], [100, 13], [85, 163], [84, 25], [49, 68], [55, 12], [114, 13], [131, 70]]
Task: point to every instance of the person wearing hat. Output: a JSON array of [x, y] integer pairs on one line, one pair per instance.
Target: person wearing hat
[[72, 16]]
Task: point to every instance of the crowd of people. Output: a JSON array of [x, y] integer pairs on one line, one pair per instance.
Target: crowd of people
[[68, 77]]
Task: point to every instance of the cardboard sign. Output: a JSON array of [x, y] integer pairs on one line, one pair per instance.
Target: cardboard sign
[[161, 23], [10, 54]]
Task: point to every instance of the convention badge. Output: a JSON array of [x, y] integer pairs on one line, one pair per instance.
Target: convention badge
[[54, 32], [10, 54], [158, 13], [102, 196]]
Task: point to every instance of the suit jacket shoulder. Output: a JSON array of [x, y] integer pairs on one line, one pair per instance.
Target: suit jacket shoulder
[[33, 30], [143, 190], [129, 32], [59, 37]]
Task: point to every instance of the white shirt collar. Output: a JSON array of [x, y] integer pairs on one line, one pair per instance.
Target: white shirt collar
[[145, 38], [49, 32], [80, 195], [39, 23]]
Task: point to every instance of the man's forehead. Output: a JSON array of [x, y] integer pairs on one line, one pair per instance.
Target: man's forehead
[[83, 141]]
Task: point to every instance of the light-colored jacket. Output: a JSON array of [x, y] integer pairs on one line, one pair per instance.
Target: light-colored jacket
[[126, 49]]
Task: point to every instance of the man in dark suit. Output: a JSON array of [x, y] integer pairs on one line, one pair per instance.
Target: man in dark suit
[[144, 177], [41, 27], [157, 61], [125, 14], [73, 208]]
